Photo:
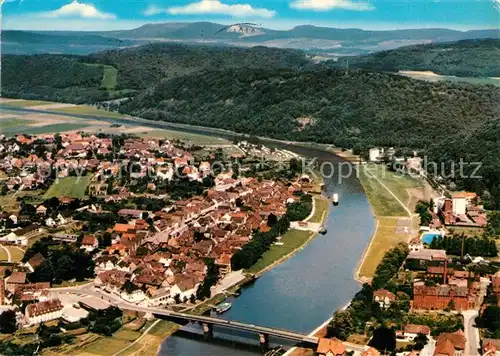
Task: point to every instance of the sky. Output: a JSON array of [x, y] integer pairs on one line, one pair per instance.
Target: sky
[[276, 14]]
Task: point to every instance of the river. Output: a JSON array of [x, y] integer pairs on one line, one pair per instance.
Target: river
[[300, 293]]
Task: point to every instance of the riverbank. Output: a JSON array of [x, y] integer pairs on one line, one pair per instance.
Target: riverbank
[[393, 197]]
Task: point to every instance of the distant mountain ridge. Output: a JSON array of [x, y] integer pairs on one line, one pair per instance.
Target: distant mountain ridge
[[330, 41]]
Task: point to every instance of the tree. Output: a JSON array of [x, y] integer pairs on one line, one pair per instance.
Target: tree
[[8, 323], [384, 339], [420, 341], [341, 326]]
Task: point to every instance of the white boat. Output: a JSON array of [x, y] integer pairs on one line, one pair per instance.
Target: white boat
[[335, 199], [223, 307]]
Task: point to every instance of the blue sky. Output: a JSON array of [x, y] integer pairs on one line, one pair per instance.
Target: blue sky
[[278, 14]]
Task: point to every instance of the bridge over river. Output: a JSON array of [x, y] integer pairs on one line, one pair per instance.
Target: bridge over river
[[209, 322]]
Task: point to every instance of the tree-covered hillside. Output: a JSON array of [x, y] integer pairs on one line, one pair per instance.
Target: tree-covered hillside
[[77, 79], [347, 110], [142, 67], [467, 58]]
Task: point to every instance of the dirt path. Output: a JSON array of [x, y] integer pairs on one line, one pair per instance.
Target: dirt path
[[139, 338]]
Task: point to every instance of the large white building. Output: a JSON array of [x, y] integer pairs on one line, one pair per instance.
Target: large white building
[[43, 311]]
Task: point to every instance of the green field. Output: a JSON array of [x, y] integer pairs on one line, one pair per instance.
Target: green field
[[87, 110], [15, 126], [382, 201], [383, 240], [292, 239], [322, 206], [186, 137], [109, 77], [55, 128], [12, 126], [70, 186]]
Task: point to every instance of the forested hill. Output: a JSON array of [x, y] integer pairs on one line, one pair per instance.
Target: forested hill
[[143, 66], [124, 73], [361, 107], [467, 58]]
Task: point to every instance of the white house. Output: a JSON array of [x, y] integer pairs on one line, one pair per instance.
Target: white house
[[375, 154], [185, 288], [131, 293], [459, 203], [43, 311], [410, 332], [89, 243]]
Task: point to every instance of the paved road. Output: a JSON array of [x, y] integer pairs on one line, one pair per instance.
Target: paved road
[[471, 333]]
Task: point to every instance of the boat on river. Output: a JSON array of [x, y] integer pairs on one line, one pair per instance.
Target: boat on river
[[335, 199], [223, 307]]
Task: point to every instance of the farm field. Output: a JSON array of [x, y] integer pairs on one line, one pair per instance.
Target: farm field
[[71, 186]]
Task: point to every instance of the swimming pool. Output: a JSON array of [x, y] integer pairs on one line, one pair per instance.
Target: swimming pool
[[428, 237]]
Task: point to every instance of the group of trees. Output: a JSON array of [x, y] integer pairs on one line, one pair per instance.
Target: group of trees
[[474, 246], [490, 321], [423, 209], [106, 321], [300, 210], [390, 264], [258, 245], [61, 262], [210, 280]]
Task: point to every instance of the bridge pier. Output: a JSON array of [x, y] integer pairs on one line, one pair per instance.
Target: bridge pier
[[208, 331], [264, 341]]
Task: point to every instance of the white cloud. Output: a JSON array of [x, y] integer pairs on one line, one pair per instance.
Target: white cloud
[[326, 5], [213, 7], [77, 9]]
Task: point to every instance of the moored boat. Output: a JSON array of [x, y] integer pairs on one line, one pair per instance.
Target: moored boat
[[335, 199], [223, 307]]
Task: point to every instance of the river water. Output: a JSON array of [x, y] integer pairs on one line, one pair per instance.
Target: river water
[[302, 292]]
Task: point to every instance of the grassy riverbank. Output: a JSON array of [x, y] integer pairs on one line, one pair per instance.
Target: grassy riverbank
[[393, 197]]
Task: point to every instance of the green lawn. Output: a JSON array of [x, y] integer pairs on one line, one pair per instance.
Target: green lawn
[[292, 240], [382, 201], [109, 77], [105, 346], [164, 328], [322, 206], [383, 240], [71, 186], [186, 137]]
